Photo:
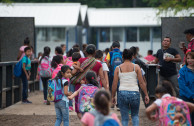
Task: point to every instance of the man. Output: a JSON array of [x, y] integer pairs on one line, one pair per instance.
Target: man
[[114, 59], [149, 56], [190, 38], [167, 57]]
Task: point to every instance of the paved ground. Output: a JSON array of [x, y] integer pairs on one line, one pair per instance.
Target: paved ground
[[38, 114]]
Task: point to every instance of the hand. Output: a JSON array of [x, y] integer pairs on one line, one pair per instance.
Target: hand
[[167, 59], [81, 70], [153, 118], [37, 77], [70, 93], [28, 77], [82, 82], [70, 98], [147, 100], [113, 100]]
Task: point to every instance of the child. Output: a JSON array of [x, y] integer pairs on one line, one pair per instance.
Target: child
[[164, 91], [26, 74], [102, 104], [62, 106], [90, 80], [75, 57], [99, 58], [56, 64]]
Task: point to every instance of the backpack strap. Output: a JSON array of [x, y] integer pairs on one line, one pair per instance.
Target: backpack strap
[[120, 71], [134, 67]]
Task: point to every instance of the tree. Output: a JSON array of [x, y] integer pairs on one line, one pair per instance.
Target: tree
[[171, 5]]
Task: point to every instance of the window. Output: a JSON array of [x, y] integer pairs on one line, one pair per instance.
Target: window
[[156, 34], [144, 34], [131, 34], [105, 35], [117, 34]]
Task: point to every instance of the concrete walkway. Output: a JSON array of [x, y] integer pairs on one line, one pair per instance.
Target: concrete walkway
[[38, 114]]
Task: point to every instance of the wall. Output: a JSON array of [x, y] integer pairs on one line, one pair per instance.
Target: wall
[[13, 31], [174, 28]]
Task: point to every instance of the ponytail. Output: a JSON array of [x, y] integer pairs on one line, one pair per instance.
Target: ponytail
[[91, 78]]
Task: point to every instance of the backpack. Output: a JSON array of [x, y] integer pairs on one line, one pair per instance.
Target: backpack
[[116, 60], [56, 70], [69, 62], [18, 68], [44, 68], [172, 112], [85, 99], [102, 120], [55, 93]]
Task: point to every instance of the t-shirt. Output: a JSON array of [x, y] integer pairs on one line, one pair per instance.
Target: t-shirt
[[88, 119], [167, 69], [28, 66], [65, 83], [149, 58], [158, 102], [104, 66]]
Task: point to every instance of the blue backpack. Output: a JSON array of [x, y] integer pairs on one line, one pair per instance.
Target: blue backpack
[[102, 120], [18, 68], [116, 60]]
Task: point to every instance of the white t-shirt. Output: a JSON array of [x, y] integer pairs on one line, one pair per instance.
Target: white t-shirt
[[159, 101], [82, 54], [104, 65]]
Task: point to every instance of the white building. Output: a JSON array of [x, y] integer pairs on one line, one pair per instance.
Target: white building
[[70, 23]]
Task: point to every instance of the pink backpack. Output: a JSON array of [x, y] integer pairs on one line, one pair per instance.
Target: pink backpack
[[44, 67], [85, 99], [69, 61], [174, 113], [56, 70]]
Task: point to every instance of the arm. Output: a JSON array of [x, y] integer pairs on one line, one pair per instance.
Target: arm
[[78, 68], [191, 106], [115, 83], [106, 77], [154, 61], [24, 69], [66, 91], [83, 124], [103, 79], [176, 59], [153, 107], [183, 87], [74, 94], [19, 55], [142, 83]]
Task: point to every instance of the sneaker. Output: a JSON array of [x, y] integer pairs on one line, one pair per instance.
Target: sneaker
[[112, 106], [48, 103], [118, 109], [130, 112], [26, 102], [71, 109]]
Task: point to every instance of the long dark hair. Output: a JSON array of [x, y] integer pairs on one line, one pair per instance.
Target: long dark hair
[[47, 51], [91, 78], [165, 88], [59, 74], [56, 60], [59, 50], [102, 101], [72, 50]]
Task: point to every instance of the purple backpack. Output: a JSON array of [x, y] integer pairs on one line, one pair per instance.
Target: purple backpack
[[55, 93], [85, 99]]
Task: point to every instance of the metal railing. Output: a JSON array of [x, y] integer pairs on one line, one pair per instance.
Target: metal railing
[[11, 87]]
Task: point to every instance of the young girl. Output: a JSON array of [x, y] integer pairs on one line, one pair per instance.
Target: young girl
[[90, 79], [102, 102], [62, 106], [186, 81], [163, 91]]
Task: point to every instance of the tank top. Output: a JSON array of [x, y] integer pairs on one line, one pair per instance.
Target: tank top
[[128, 81]]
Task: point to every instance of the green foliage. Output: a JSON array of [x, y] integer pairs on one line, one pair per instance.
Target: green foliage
[[172, 5]]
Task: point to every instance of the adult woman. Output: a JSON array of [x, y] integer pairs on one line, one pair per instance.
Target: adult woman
[[129, 96], [90, 64], [186, 81], [21, 52]]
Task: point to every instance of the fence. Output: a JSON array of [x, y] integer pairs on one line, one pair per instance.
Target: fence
[[11, 87]]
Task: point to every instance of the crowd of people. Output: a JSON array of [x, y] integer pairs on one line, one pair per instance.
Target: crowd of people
[[118, 78]]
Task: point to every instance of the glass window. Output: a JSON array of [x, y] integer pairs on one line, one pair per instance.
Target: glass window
[[131, 34], [156, 34], [144, 34], [58, 34], [105, 35], [117, 34]]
